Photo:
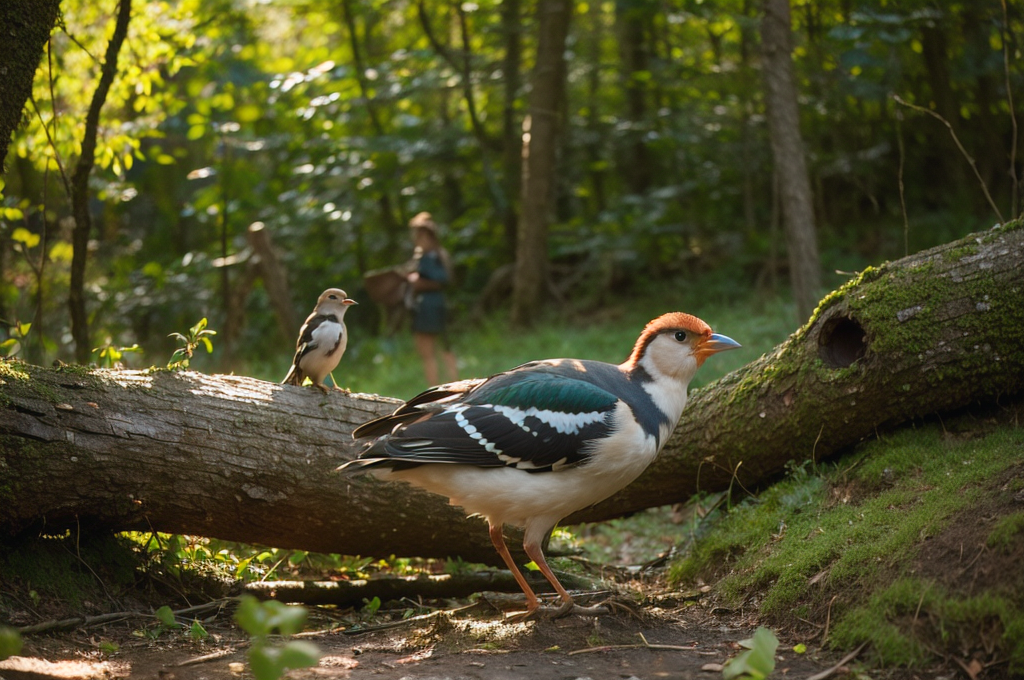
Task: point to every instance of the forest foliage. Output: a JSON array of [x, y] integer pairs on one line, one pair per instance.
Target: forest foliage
[[332, 123]]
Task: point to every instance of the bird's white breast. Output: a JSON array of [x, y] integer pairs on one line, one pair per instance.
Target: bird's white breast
[[512, 496], [319, 362]]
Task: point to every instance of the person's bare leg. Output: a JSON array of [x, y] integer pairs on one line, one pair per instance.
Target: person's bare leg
[[451, 365], [532, 603], [425, 348]]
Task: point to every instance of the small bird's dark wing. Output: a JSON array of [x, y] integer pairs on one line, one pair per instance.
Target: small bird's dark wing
[[528, 418], [306, 343]]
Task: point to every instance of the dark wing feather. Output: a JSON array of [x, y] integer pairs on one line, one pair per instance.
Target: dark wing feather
[[305, 343], [535, 420], [411, 410]]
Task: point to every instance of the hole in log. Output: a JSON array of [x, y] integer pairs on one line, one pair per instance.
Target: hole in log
[[841, 342]]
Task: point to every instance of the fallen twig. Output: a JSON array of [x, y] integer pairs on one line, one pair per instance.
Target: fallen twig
[[212, 656], [842, 662], [644, 644]]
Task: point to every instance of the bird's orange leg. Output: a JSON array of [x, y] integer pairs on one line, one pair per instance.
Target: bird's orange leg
[[534, 551], [532, 603]]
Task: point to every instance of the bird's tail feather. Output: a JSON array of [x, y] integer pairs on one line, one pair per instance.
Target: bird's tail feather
[[294, 377]]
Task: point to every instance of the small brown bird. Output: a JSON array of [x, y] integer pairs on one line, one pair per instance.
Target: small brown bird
[[322, 340]]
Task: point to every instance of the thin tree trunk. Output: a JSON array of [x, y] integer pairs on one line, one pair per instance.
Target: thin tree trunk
[[788, 151], [26, 28], [541, 133], [511, 136], [631, 18], [80, 187], [241, 459]]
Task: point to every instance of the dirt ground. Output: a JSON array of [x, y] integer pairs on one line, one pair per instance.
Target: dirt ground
[[474, 643]]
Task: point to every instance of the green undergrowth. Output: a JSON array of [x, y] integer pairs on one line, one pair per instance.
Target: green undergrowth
[[911, 542]]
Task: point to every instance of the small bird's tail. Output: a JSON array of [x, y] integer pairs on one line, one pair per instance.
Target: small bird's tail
[[294, 377]]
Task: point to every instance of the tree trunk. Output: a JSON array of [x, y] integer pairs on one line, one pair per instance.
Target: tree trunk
[[788, 151], [511, 130], [80, 187], [540, 144], [26, 28], [246, 460], [631, 17]]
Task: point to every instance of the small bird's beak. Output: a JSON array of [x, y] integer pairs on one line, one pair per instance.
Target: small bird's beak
[[350, 301], [715, 343]]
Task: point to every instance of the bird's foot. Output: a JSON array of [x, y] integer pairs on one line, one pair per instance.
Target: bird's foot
[[323, 388], [343, 389], [565, 609]]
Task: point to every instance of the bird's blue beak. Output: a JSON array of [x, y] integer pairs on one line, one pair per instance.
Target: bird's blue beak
[[719, 343]]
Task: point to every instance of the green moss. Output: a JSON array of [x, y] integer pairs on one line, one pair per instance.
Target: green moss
[[898, 619], [960, 252], [9, 371], [852, 527], [1004, 533]]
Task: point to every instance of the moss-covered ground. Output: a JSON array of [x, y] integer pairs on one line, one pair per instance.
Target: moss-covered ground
[[913, 542]]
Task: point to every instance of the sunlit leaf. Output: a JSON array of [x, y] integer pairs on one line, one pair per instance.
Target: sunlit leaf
[[23, 235]]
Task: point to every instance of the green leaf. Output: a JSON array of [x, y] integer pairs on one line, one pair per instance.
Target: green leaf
[[62, 251], [23, 235], [299, 654], [12, 214], [206, 342], [284, 619], [758, 661], [251, 616], [197, 632], [10, 642], [264, 663], [22, 329], [166, 617], [297, 557], [10, 347]]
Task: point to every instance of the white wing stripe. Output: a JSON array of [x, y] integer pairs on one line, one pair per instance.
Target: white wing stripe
[[563, 423]]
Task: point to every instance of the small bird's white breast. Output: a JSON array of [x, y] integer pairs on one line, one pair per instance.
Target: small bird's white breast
[[330, 339]]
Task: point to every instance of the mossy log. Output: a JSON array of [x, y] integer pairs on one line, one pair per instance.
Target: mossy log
[[246, 460]]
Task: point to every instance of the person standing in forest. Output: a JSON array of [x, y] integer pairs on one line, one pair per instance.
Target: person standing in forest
[[430, 273]]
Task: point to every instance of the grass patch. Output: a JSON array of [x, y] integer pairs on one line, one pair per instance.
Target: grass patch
[[856, 529]]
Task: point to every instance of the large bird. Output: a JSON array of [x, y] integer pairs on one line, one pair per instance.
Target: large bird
[[322, 340], [532, 445]]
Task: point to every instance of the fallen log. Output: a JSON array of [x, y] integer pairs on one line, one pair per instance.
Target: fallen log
[[241, 459]]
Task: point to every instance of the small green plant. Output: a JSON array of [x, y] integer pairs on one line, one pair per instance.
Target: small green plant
[[197, 632], [10, 642], [758, 661], [12, 345], [109, 356], [370, 607], [196, 336], [263, 619]]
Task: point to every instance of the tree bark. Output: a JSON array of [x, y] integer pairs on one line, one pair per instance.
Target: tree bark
[[241, 459], [788, 151], [540, 143], [80, 187], [26, 28]]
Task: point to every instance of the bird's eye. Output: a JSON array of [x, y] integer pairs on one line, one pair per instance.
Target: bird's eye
[[681, 336], [333, 297]]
